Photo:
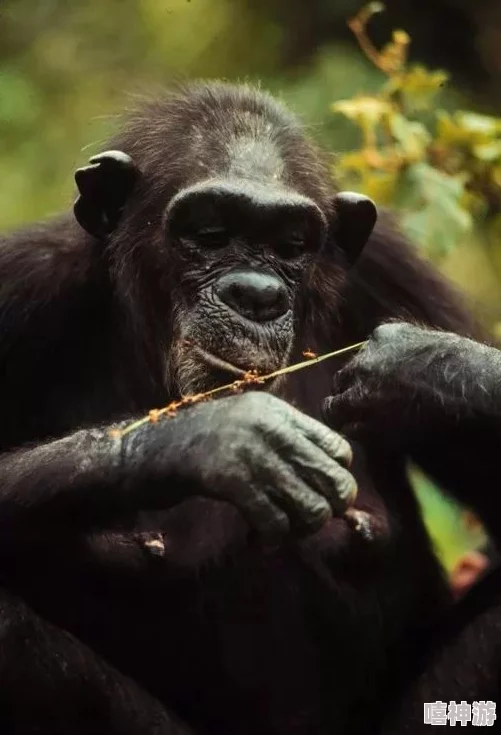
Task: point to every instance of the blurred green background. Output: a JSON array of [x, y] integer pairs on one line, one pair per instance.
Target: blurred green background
[[67, 66]]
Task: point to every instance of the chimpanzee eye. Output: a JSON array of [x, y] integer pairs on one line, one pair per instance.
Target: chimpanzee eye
[[290, 249], [212, 237]]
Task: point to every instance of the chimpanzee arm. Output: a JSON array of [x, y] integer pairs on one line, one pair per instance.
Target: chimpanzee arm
[[278, 466], [437, 396], [460, 660], [38, 695]]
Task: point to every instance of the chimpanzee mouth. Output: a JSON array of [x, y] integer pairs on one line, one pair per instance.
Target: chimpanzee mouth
[[222, 365], [219, 363]]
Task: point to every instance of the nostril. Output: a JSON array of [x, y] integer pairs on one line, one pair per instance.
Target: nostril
[[256, 296]]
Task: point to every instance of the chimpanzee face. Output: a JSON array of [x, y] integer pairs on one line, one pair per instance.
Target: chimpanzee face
[[240, 249], [240, 209]]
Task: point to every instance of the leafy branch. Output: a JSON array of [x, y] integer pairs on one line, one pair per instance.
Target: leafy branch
[[442, 171]]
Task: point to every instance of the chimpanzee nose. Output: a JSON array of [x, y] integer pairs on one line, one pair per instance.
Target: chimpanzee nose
[[259, 297]]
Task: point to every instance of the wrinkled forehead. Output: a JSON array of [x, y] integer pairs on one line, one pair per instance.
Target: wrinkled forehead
[[239, 147], [175, 149], [253, 158]]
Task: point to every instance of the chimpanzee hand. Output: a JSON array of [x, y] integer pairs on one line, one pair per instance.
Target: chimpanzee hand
[[408, 379], [279, 467]]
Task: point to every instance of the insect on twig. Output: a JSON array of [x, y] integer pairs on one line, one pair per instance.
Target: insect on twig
[[251, 377]]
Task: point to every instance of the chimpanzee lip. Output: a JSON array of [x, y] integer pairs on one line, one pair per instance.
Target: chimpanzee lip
[[219, 363]]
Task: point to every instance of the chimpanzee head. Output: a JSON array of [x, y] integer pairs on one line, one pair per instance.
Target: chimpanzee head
[[215, 211]]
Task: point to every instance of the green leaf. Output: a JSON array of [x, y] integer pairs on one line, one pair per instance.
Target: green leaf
[[488, 152], [418, 87], [411, 135], [434, 214], [483, 125], [363, 109], [467, 129]]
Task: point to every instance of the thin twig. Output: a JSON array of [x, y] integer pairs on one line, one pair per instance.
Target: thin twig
[[393, 57], [250, 378]]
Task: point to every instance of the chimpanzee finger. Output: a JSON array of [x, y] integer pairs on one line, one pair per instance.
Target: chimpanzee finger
[[334, 445], [263, 515], [370, 415], [285, 492], [351, 406], [323, 474], [307, 510], [244, 490], [348, 376]]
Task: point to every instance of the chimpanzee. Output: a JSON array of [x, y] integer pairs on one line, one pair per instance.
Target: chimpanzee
[[207, 241], [437, 395]]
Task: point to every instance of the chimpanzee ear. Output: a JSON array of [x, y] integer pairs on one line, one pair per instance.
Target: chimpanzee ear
[[355, 216], [104, 186]]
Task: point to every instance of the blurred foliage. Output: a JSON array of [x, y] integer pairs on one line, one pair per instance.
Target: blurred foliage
[[441, 171], [66, 68], [463, 36], [453, 531]]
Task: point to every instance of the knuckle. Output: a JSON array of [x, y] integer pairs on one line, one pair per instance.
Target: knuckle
[[252, 398], [386, 331], [347, 488], [307, 504], [276, 418], [261, 399], [342, 447], [319, 508], [262, 405], [340, 486], [328, 407], [316, 516]]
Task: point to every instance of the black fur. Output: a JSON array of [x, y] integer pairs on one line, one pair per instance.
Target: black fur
[[230, 631], [436, 395]]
